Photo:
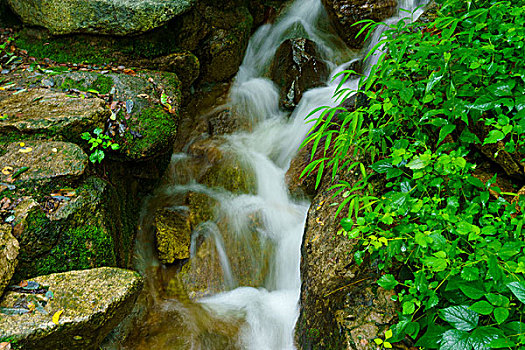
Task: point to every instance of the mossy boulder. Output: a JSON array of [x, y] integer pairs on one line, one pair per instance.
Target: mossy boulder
[[143, 127], [42, 161], [8, 255], [222, 51], [49, 113], [173, 235], [111, 17], [92, 302], [81, 233]]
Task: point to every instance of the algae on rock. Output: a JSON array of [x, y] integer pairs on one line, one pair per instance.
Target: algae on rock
[[9, 248], [93, 303], [110, 17]]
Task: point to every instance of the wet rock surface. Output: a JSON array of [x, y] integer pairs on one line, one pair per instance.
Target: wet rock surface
[[344, 13], [297, 67], [341, 305], [91, 303], [43, 111], [9, 248], [173, 235], [112, 17]]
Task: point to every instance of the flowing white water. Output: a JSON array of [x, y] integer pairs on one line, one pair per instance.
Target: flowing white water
[[270, 311]]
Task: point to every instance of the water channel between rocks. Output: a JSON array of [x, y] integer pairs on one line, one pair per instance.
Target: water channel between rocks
[[240, 288]]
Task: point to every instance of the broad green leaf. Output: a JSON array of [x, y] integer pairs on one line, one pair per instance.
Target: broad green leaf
[[388, 282], [501, 314], [510, 249], [502, 88], [473, 291], [493, 137], [382, 166], [502, 343], [498, 300], [470, 273], [435, 264], [418, 162], [481, 337], [445, 131], [409, 307], [454, 339], [460, 317], [482, 307], [494, 268], [518, 289], [431, 338]]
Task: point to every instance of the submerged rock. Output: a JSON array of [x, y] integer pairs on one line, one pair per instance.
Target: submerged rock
[[42, 111], [173, 235], [92, 302], [345, 13], [297, 67], [8, 255], [113, 17]]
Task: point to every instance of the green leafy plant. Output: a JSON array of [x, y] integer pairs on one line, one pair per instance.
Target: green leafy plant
[[99, 143], [446, 97]]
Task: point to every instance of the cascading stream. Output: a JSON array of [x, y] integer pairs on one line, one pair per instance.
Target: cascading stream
[[269, 311]]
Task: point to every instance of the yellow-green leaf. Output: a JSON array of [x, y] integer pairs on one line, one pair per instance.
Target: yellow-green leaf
[[56, 316]]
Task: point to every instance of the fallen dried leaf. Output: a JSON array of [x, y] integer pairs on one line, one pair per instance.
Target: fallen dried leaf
[[7, 170], [23, 284], [5, 346], [56, 316], [25, 150]]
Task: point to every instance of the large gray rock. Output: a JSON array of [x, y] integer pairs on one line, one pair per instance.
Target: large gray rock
[[8, 253], [112, 17], [93, 302]]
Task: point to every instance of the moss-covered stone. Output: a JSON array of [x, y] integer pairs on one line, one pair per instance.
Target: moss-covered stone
[[50, 113], [93, 302], [82, 233], [9, 248], [43, 161], [222, 52], [173, 235], [113, 17], [157, 128]]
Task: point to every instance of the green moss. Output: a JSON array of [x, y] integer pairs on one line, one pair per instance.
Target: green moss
[[73, 84], [158, 129], [103, 84], [74, 49], [79, 248], [91, 49]]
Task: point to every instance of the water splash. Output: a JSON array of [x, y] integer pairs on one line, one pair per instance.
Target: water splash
[[268, 311]]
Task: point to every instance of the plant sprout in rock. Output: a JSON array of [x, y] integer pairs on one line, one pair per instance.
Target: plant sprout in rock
[[99, 142]]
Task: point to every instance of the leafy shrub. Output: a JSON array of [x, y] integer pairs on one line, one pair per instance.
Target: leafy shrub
[[99, 142], [443, 91]]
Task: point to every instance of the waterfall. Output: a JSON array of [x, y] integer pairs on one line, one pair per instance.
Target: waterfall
[[270, 310]]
